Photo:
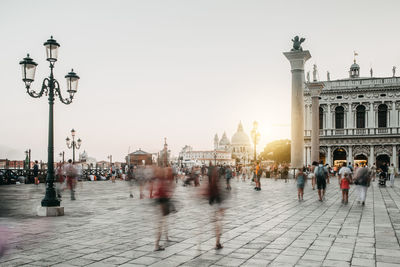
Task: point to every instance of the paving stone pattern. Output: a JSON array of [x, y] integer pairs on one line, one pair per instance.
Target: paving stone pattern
[[104, 227]]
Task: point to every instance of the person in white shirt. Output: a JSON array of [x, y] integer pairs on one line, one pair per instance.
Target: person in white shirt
[[71, 172], [391, 173], [344, 179]]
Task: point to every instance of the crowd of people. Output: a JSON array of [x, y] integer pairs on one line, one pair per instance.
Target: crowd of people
[[359, 175], [214, 183]]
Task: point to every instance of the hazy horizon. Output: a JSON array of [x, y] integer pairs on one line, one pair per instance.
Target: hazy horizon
[[184, 70]]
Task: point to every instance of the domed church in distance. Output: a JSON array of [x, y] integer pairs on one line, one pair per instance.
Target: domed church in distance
[[240, 145], [228, 152]]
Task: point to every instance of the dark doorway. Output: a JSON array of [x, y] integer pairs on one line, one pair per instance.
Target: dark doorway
[[339, 156], [381, 159], [322, 157]]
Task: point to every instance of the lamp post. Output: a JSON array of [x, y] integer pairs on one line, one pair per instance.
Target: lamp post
[[110, 158], [62, 155], [28, 155], [255, 135], [215, 157], [51, 88], [74, 145]]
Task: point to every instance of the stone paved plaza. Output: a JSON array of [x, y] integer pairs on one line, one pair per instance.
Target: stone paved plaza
[[104, 227]]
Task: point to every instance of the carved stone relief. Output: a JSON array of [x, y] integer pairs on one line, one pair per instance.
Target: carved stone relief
[[361, 150], [383, 150]]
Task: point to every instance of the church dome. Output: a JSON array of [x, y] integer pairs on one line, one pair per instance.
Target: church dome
[[354, 70], [224, 140], [240, 137], [355, 66]]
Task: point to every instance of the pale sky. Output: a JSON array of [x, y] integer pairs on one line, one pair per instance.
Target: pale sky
[[184, 69]]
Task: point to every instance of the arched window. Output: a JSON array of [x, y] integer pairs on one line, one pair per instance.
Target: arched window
[[382, 115], [360, 116], [321, 118], [339, 117]]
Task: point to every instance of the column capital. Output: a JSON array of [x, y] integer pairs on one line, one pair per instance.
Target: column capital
[[315, 88], [297, 59], [397, 105]]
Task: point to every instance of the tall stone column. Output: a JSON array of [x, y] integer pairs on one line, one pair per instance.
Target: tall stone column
[[393, 116], [394, 156], [297, 59], [371, 156], [371, 116], [350, 118], [350, 155], [315, 91], [309, 156], [307, 118], [329, 156], [328, 119]]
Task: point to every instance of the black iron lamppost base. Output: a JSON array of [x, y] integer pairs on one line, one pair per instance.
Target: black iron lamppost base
[[50, 199]]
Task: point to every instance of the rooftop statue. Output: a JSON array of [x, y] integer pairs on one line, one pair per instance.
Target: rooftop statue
[[314, 73], [297, 43]]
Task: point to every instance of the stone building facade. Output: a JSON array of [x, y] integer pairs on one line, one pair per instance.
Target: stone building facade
[[226, 152], [139, 157], [358, 120], [188, 156]]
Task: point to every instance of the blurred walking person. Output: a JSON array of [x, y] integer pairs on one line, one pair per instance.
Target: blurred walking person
[[131, 179], [391, 172], [71, 172], [164, 184], [320, 175], [362, 180], [301, 179], [228, 176], [139, 175], [215, 199], [257, 177], [311, 175], [36, 172], [243, 173], [113, 173], [285, 172], [344, 182], [373, 172], [60, 179]]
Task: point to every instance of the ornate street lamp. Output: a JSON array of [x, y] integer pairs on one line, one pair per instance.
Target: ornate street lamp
[[215, 157], [74, 145], [62, 155], [110, 158], [255, 135], [28, 159], [51, 88]]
